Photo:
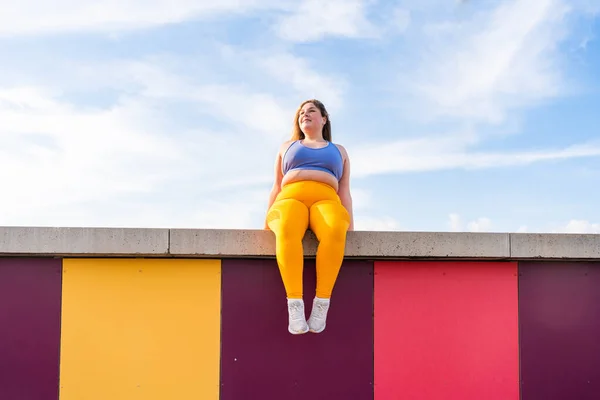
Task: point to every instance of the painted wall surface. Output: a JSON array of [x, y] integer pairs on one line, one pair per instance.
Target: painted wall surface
[[261, 360], [446, 330], [217, 329], [140, 329], [560, 330], [29, 328]]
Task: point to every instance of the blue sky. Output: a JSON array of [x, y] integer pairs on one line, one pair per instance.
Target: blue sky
[[457, 115]]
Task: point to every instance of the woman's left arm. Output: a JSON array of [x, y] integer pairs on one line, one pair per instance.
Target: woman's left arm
[[344, 187]]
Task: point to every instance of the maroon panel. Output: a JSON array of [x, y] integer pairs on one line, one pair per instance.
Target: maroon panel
[[261, 359], [559, 307], [30, 298]]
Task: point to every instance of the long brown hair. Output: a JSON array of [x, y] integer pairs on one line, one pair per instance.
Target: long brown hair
[[297, 133]]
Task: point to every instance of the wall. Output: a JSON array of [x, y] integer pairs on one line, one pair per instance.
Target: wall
[[81, 324]]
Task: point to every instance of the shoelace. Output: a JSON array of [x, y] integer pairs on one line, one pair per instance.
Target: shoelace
[[295, 311], [320, 310]]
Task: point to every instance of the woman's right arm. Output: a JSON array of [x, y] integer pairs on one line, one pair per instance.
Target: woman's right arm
[[276, 184]]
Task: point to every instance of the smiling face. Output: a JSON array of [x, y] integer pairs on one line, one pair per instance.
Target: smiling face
[[311, 120]]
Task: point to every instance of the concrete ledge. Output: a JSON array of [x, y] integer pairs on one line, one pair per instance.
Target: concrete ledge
[[555, 246], [83, 241], [428, 245], [258, 243], [226, 243], [222, 242]]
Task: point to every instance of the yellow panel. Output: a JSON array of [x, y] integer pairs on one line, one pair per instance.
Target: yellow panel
[[140, 329]]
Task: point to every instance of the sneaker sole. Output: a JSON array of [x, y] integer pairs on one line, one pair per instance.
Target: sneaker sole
[[314, 331], [298, 333]]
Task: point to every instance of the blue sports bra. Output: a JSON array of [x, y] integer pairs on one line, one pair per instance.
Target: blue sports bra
[[299, 156]]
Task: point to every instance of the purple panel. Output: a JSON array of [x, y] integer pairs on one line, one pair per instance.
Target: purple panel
[[30, 298], [559, 307], [260, 359]]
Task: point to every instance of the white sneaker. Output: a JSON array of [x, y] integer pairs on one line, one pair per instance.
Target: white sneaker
[[318, 315], [296, 319]]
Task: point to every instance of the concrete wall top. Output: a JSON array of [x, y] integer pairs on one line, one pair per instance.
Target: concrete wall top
[[223, 243]]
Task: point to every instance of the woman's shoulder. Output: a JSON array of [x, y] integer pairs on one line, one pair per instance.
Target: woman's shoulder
[[285, 145], [342, 149]]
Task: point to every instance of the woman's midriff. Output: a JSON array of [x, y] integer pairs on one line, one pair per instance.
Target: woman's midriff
[[310, 175]]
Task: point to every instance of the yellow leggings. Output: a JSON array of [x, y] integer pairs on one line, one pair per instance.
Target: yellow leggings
[[297, 207]]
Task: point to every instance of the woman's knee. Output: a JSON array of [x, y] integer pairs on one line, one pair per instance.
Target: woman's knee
[[291, 218], [335, 231], [291, 230], [330, 221]]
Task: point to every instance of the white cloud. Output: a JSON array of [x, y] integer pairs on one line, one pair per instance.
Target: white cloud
[[64, 161], [314, 19], [245, 210], [308, 20], [477, 68], [481, 224], [484, 224], [68, 166], [450, 152], [244, 105], [372, 223], [301, 74], [55, 155], [368, 213], [490, 62], [362, 199], [399, 20], [38, 16], [455, 222], [579, 226]]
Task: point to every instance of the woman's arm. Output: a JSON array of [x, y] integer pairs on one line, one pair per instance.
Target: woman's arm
[[276, 184], [344, 187]]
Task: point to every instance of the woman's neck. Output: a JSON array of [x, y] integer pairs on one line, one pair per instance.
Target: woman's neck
[[313, 138]]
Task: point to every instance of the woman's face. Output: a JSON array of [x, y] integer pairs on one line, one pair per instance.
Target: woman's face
[[310, 118]]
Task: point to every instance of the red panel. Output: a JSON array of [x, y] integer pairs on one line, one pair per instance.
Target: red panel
[[446, 330]]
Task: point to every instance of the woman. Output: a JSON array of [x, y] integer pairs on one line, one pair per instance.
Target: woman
[[311, 190]]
